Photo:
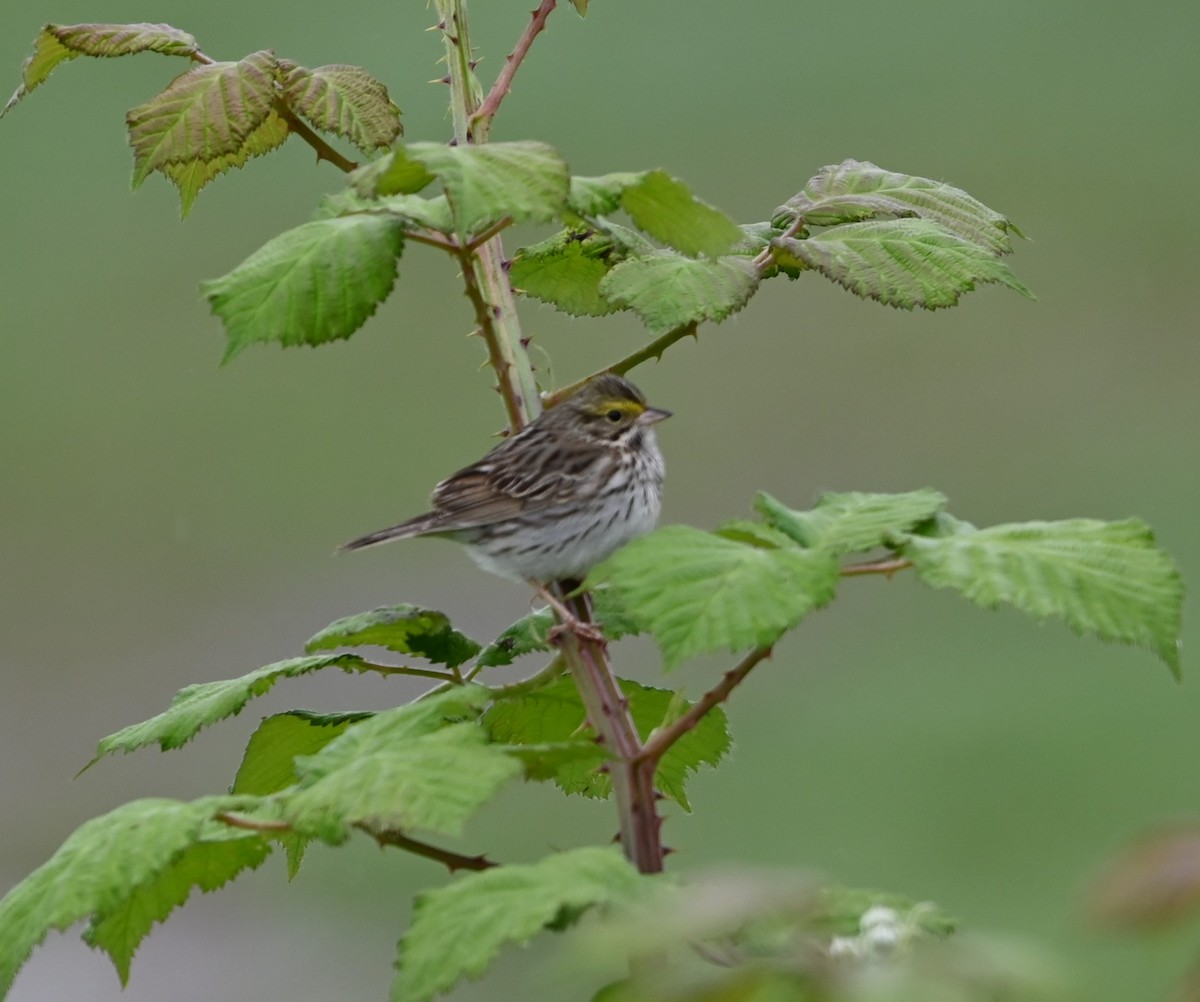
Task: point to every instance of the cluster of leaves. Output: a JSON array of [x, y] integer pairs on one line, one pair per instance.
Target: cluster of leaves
[[426, 767], [218, 115], [746, 583], [902, 240]]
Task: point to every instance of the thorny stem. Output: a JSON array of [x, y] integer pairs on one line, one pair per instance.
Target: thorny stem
[[451, 860], [384, 836], [486, 282], [481, 121], [454, 677], [662, 739]]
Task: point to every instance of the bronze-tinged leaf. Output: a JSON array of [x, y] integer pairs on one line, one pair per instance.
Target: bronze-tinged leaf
[[58, 43], [206, 113], [1154, 883], [344, 100]]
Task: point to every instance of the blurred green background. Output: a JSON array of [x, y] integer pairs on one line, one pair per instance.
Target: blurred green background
[[164, 521]]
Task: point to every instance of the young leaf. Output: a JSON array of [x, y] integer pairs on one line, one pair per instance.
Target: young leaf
[[344, 100], [696, 591], [669, 290], [269, 761], [197, 706], [395, 174], [206, 113], [566, 271], [406, 629], [902, 262], [312, 284], [1103, 578], [218, 856], [853, 522], [57, 43], [192, 175], [853, 191], [411, 767], [413, 211], [553, 716], [97, 868], [667, 210], [483, 184], [458, 929]]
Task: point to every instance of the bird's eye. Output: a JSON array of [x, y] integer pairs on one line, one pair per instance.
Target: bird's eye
[[614, 415]]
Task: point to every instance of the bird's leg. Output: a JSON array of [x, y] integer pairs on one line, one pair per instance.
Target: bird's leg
[[567, 619]]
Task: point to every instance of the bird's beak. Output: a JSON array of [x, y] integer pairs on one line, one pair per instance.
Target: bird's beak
[[652, 415]]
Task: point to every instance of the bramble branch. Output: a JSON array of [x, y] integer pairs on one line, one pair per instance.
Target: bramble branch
[[662, 739], [481, 121], [451, 860], [885, 567]]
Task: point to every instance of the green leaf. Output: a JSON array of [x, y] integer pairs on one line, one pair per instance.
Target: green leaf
[[57, 43], [404, 628], [853, 522], [902, 262], [667, 210], [553, 717], [668, 290], [97, 870], [413, 211], [204, 114], [457, 930], [197, 706], [222, 854], [600, 196], [853, 191], [344, 100], [566, 271], [269, 761], [531, 632], [318, 282], [483, 184], [411, 767], [697, 592], [191, 176], [1102, 578]]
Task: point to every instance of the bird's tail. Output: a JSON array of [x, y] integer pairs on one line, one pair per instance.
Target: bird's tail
[[405, 530]]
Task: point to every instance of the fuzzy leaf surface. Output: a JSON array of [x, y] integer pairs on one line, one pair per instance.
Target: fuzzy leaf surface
[[566, 272], [204, 114], [698, 592], [344, 100], [853, 522], [854, 190], [318, 282], [553, 715], [417, 766], [97, 870], [191, 176], [665, 208], [458, 929], [406, 629], [197, 706], [669, 290], [1102, 578], [57, 43], [221, 854], [902, 262]]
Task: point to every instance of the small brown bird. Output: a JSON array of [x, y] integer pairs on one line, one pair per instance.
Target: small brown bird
[[558, 497]]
